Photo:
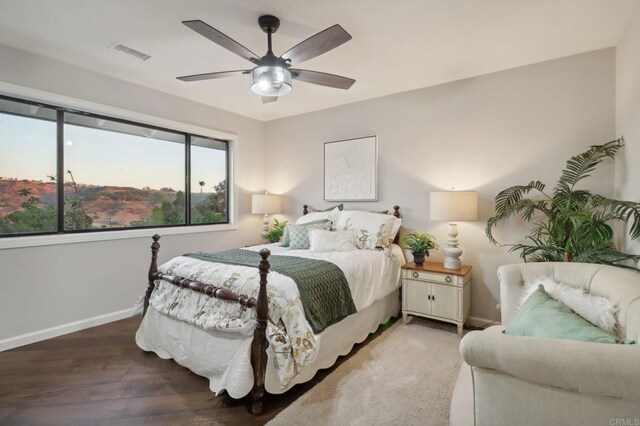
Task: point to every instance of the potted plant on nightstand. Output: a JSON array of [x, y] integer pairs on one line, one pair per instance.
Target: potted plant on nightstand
[[419, 243], [275, 231]]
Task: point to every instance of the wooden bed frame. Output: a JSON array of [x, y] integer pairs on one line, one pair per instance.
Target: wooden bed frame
[[259, 343]]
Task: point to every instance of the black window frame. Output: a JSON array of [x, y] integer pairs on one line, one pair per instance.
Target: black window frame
[[60, 122]]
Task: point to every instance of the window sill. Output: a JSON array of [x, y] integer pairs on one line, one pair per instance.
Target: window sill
[[51, 240]]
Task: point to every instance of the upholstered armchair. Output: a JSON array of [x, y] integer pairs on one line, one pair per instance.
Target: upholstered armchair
[[512, 380]]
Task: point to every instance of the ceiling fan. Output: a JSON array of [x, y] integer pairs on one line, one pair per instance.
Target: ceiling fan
[[271, 76]]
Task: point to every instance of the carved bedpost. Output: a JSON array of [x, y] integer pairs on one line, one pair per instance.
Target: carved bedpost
[[153, 269], [305, 209], [259, 343]]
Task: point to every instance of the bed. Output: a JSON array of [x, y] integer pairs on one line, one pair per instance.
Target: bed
[[224, 320]]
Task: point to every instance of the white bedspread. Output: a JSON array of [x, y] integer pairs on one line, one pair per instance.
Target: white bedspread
[[371, 276]]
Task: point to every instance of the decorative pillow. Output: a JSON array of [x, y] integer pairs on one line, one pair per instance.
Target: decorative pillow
[[299, 235], [322, 241], [286, 236], [396, 227], [312, 217], [372, 230], [313, 210], [598, 310], [543, 316]]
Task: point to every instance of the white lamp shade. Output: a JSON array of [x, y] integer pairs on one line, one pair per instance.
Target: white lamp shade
[[266, 204], [454, 205]]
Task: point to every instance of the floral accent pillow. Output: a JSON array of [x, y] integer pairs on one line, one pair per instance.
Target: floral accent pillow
[[372, 230]]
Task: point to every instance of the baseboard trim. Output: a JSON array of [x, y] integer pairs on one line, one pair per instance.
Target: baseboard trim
[[481, 322], [49, 333], [59, 330]]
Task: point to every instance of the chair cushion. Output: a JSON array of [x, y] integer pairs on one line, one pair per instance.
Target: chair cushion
[[543, 316]]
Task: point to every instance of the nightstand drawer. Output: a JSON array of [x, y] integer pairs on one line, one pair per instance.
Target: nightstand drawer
[[429, 276]]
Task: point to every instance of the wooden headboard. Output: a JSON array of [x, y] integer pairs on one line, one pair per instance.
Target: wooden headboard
[[396, 213]]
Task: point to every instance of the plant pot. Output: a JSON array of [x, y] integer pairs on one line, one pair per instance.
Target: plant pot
[[418, 258]]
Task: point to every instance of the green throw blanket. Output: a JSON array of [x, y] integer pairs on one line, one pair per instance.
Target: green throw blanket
[[323, 288]]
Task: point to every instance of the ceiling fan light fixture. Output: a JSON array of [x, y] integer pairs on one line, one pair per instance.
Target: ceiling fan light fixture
[[270, 81]]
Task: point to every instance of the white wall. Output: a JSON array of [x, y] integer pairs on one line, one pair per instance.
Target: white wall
[[483, 133], [628, 114], [43, 287]]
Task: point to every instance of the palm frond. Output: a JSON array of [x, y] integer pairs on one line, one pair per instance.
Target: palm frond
[[514, 194], [579, 166], [525, 206], [627, 211], [608, 256]]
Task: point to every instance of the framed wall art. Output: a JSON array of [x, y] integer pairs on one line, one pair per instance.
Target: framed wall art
[[351, 169]]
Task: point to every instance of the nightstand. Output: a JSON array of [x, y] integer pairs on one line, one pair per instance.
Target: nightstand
[[432, 291]]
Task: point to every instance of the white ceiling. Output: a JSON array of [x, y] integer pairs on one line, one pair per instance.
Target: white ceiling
[[397, 45]]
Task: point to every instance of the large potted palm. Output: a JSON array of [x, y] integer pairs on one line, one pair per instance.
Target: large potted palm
[[569, 224]]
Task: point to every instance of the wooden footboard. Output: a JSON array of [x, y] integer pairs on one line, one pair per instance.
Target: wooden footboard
[[259, 343]]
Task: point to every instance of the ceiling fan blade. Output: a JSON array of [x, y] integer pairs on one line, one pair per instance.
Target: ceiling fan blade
[[322, 78], [269, 99], [222, 40], [317, 44], [212, 75]]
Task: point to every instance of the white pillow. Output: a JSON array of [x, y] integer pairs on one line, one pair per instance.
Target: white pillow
[[598, 310], [372, 229], [322, 241], [314, 216], [396, 227]]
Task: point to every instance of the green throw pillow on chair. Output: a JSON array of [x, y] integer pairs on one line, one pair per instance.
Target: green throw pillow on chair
[[543, 316]]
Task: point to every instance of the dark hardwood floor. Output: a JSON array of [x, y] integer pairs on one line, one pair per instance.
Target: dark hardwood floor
[[99, 376]]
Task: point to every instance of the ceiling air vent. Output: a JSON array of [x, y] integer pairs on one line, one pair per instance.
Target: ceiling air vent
[[132, 52]]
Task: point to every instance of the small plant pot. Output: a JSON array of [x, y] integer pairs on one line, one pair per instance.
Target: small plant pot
[[418, 258]]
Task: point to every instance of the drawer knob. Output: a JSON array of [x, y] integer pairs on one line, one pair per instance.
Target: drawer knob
[[415, 274], [448, 278]]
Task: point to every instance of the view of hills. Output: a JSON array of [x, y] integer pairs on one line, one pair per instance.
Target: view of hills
[[93, 206]]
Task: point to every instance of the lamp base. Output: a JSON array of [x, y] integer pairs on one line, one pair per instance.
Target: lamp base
[[265, 223], [452, 263], [452, 252]]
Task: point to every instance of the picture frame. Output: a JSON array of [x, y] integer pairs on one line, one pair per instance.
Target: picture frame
[[351, 169]]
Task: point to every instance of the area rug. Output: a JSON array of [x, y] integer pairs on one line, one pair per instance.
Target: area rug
[[405, 376]]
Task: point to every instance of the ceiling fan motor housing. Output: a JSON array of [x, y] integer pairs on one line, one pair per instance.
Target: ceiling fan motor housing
[[269, 23]]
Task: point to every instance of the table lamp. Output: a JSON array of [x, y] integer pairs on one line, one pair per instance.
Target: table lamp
[[453, 206], [266, 204]]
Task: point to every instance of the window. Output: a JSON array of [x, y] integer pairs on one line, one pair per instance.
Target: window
[[28, 190], [208, 180], [68, 171], [119, 175]]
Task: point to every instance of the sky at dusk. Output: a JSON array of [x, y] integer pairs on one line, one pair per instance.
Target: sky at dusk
[[98, 157]]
